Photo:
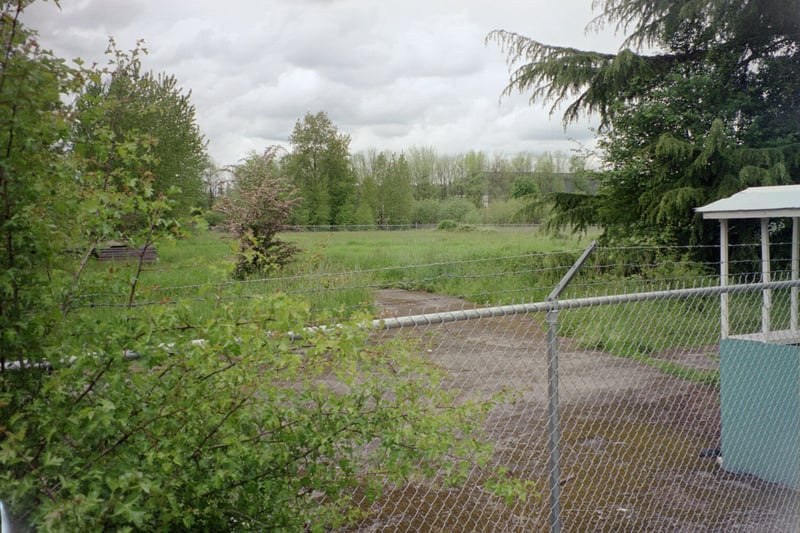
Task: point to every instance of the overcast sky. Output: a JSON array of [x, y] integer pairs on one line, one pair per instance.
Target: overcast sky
[[392, 74]]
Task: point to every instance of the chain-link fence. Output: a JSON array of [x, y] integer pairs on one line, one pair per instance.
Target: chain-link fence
[[618, 400], [616, 420]]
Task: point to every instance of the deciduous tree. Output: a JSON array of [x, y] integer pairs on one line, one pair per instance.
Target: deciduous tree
[[319, 166], [37, 188], [422, 166], [472, 182], [397, 191], [127, 106], [256, 211]]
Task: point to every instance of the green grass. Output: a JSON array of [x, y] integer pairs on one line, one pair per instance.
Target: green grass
[[341, 269], [648, 331], [645, 331], [482, 266], [337, 273], [380, 249]]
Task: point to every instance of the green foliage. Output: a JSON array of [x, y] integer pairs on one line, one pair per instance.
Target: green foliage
[[456, 209], [523, 186], [558, 74], [447, 224], [37, 193], [121, 108], [575, 210], [385, 188], [245, 430], [319, 167], [471, 184], [714, 112], [396, 193], [426, 212], [422, 167], [459, 187], [213, 218], [256, 211]]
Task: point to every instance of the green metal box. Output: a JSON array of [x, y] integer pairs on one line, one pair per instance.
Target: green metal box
[[760, 409]]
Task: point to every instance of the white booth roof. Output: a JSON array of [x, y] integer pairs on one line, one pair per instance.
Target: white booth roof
[[760, 203], [756, 202]]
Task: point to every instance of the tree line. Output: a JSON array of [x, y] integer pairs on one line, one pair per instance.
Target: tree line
[[416, 186]]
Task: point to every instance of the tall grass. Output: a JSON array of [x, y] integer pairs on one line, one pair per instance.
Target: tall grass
[[365, 250], [337, 274]]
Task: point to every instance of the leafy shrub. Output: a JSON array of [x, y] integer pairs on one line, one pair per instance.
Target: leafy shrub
[[213, 218], [256, 212], [245, 430], [426, 211], [523, 186], [456, 209]]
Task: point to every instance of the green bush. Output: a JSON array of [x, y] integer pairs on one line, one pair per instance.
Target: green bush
[[426, 211], [456, 209], [213, 218], [246, 430]]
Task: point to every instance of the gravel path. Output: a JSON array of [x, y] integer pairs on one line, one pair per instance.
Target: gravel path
[[631, 437]]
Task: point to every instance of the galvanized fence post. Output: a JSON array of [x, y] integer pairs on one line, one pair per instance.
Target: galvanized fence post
[[553, 423]]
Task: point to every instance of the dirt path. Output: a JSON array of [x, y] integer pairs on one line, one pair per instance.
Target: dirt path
[[511, 352], [630, 435]]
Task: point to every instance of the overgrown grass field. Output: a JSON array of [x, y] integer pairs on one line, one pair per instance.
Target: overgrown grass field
[[337, 273], [360, 250]]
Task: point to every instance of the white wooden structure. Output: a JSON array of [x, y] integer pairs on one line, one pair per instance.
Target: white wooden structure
[[760, 203]]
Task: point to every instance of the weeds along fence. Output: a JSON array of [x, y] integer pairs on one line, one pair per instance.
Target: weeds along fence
[[477, 279], [610, 399], [400, 227], [616, 419]]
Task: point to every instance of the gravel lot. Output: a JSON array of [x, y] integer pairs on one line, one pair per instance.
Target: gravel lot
[[631, 438]]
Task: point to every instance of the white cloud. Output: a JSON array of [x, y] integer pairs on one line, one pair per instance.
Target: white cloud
[[391, 74]]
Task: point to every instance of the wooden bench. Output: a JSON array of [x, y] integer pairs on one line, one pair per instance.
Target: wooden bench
[[120, 252]]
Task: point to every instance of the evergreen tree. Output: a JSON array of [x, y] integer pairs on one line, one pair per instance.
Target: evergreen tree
[[714, 111]]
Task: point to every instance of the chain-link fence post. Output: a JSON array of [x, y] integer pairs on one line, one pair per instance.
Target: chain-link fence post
[[553, 424]]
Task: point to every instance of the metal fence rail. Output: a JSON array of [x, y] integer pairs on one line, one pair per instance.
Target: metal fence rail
[[614, 398], [638, 414], [457, 315]]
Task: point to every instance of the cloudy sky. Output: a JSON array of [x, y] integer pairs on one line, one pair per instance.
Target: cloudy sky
[[390, 73]]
